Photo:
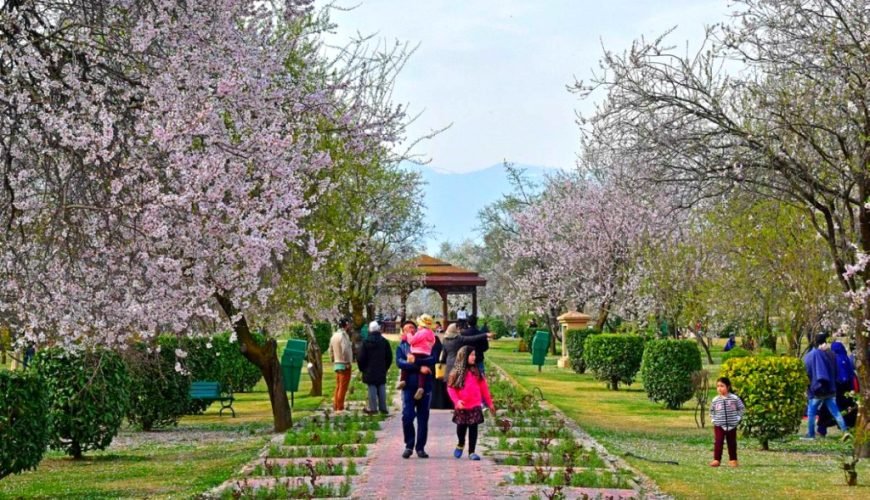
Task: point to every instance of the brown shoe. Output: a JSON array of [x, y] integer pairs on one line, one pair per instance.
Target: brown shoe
[[714, 463], [732, 463]]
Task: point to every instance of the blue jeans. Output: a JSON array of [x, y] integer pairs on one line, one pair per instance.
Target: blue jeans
[[481, 368], [813, 408], [419, 409], [378, 398]]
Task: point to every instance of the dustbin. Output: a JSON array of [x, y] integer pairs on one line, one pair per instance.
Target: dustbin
[[291, 364], [540, 344]]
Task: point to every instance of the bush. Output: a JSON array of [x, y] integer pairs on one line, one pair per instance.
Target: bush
[[24, 424], [88, 397], [614, 358], [737, 352], [159, 394], [525, 333], [773, 389], [322, 332], [667, 369], [214, 358], [574, 344], [498, 327]]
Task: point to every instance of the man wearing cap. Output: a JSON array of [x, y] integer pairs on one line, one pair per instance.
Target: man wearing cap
[[375, 358], [822, 371], [341, 352]]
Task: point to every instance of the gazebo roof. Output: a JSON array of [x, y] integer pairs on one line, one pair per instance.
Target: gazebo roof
[[441, 274]]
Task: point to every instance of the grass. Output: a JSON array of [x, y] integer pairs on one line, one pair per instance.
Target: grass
[[626, 421], [174, 463]]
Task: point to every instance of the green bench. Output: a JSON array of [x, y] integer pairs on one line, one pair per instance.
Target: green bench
[[207, 390]]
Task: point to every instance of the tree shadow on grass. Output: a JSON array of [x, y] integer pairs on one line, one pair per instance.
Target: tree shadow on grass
[[110, 457]]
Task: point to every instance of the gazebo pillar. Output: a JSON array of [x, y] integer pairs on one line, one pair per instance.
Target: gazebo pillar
[[445, 317], [474, 301]]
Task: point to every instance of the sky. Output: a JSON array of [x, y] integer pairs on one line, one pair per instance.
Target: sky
[[498, 71]]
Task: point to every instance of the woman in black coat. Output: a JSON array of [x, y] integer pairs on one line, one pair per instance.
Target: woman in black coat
[[375, 358]]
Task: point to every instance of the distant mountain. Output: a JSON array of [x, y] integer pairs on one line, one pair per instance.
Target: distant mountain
[[453, 200]]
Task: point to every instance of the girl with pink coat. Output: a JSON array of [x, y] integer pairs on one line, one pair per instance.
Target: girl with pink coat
[[469, 391]]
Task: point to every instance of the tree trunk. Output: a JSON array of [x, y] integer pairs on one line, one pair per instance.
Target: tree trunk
[[76, 450], [862, 426], [705, 345], [603, 312], [862, 343], [765, 445], [614, 384], [553, 323], [266, 359], [315, 357]]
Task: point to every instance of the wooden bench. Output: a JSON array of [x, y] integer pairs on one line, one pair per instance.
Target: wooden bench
[[207, 390]]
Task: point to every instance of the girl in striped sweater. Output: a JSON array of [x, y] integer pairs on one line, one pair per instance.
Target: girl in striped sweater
[[725, 413]]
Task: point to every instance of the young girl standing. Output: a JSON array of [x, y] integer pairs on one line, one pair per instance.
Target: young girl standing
[[725, 413], [469, 391]]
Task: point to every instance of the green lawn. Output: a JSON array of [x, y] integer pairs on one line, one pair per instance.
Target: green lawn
[[202, 452], [626, 421]]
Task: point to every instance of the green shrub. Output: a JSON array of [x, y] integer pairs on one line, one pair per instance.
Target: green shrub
[[322, 332], [525, 333], [574, 344], [773, 389], [24, 423], [614, 358], [765, 352], [736, 352], [88, 397], [667, 369], [498, 327], [158, 392], [214, 358]]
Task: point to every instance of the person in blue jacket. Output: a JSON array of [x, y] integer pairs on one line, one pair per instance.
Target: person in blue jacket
[[821, 365], [415, 440]]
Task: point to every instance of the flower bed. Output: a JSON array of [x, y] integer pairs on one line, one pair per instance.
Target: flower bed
[[541, 455]]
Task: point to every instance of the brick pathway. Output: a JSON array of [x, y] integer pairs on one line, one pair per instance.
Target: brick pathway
[[388, 475]]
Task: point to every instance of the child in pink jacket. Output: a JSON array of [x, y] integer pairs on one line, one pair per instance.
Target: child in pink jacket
[[469, 391], [422, 341]]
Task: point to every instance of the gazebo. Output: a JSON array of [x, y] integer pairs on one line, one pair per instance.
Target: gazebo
[[447, 279]]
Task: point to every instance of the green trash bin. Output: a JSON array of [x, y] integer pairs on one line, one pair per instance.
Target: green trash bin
[[540, 344], [291, 364]]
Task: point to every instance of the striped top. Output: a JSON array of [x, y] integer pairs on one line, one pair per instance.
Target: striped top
[[726, 411]]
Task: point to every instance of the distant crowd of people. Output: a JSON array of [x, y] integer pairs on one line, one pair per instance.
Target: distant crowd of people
[[439, 368]]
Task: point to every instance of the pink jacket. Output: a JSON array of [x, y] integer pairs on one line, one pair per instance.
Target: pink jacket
[[422, 342], [473, 393]]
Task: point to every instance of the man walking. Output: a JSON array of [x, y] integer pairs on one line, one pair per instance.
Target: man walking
[[414, 408], [341, 353], [375, 358], [821, 368]]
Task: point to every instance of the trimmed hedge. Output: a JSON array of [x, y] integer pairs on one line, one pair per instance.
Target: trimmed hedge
[[773, 389], [667, 369], [159, 393], [614, 358], [24, 423], [736, 352], [574, 344], [88, 397]]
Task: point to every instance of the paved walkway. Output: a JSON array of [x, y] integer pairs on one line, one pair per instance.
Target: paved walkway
[[388, 475]]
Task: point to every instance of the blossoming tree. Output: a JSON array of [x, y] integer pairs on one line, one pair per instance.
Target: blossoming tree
[[153, 156]]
